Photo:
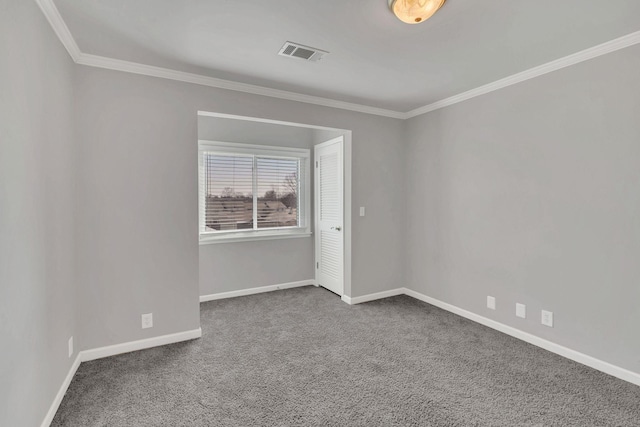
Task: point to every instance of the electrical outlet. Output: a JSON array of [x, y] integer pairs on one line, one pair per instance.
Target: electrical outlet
[[147, 320], [521, 310], [361, 210], [547, 318], [491, 303], [70, 346]]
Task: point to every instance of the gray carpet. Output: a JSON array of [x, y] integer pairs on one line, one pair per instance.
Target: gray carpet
[[301, 357]]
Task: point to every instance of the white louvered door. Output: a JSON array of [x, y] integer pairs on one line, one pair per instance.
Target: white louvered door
[[329, 215]]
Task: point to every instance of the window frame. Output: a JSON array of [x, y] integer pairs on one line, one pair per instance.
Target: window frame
[[242, 149]]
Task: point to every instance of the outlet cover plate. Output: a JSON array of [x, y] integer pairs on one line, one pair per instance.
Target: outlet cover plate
[[547, 318], [70, 346], [491, 303], [521, 310], [147, 320]]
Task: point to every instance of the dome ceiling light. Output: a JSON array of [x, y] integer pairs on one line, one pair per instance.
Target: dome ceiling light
[[415, 11]]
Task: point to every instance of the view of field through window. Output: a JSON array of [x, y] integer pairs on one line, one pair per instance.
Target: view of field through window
[[231, 193]]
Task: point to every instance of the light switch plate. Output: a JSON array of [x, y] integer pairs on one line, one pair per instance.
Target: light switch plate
[[361, 210]]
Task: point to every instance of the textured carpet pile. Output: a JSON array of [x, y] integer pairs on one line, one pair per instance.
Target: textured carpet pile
[[301, 357]]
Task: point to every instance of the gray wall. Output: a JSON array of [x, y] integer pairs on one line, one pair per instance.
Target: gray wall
[[530, 194], [228, 267], [37, 211], [138, 221], [252, 132]]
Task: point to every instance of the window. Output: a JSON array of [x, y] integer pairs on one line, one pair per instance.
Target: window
[[252, 192]]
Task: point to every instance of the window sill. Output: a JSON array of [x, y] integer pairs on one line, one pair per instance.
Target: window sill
[[234, 238]]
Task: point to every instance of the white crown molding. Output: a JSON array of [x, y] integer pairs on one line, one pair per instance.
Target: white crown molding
[[584, 55], [60, 27], [166, 73]]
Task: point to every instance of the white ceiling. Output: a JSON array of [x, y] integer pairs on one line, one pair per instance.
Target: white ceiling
[[374, 59]]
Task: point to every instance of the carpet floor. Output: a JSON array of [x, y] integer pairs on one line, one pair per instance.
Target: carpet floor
[[301, 357]]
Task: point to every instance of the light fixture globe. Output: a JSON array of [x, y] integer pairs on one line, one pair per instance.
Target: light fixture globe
[[415, 11]]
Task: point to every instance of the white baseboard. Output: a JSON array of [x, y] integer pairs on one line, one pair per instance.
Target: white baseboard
[[258, 290], [574, 355], [372, 297], [87, 355], [112, 350], [61, 392]]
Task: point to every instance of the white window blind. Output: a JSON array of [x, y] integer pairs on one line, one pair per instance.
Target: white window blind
[[278, 192], [252, 190], [228, 192]]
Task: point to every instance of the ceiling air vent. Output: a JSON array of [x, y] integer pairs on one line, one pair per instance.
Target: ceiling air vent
[[295, 50]]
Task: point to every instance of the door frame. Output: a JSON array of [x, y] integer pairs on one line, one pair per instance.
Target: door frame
[[316, 208]]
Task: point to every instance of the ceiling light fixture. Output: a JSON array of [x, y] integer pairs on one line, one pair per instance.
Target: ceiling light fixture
[[415, 11]]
